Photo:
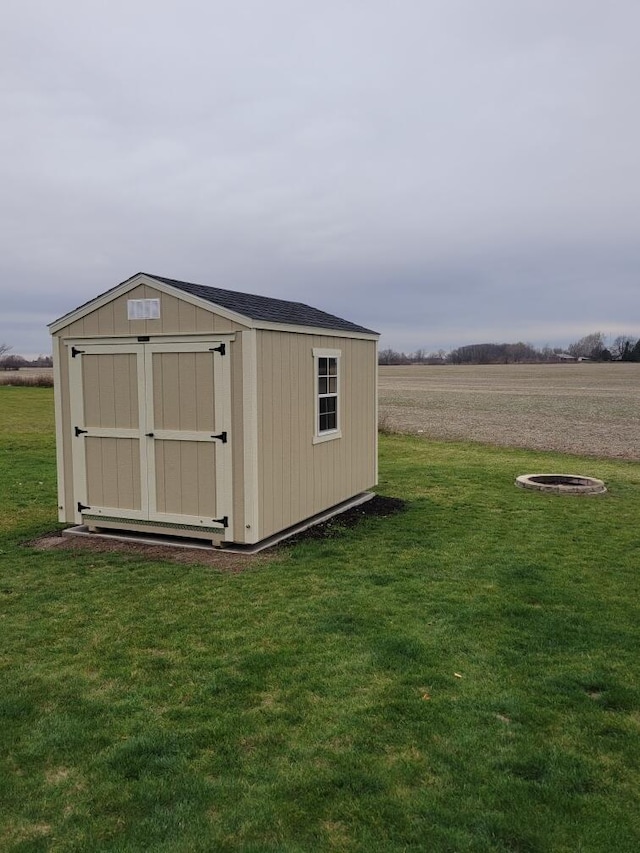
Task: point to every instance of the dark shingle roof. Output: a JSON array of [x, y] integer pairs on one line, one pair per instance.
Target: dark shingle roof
[[265, 307]]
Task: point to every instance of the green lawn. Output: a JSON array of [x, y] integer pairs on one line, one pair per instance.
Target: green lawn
[[460, 677]]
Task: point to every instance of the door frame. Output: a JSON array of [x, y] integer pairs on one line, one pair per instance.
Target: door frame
[[144, 358]]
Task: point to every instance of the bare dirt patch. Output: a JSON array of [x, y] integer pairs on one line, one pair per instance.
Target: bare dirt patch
[[587, 409], [217, 559], [379, 506]]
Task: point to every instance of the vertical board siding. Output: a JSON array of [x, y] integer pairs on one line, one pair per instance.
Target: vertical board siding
[[205, 491], [113, 472], [177, 317], [185, 477], [203, 391], [187, 389], [298, 478], [183, 391], [110, 390]]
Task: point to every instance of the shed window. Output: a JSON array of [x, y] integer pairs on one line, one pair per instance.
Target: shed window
[[327, 392]]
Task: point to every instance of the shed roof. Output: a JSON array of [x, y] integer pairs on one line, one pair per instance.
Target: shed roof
[[265, 309]]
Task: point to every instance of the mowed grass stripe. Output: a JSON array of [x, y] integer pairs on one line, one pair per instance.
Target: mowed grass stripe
[[462, 676]]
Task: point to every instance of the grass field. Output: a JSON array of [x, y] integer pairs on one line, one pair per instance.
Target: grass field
[[460, 677], [592, 409]]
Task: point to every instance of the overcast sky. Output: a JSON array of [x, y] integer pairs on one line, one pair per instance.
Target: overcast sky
[[443, 171]]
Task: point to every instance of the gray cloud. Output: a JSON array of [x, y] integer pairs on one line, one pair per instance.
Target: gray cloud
[[445, 172]]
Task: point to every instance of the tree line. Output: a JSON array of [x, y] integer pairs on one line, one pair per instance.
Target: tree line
[[592, 347], [10, 361]]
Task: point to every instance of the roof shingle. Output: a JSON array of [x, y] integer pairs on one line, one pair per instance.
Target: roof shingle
[[265, 308]]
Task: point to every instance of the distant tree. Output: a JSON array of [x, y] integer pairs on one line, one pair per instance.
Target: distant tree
[[390, 356], [520, 352], [494, 354], [42, 361], [591, 346], [13, 362], [622, 348], [4, 348], [546, 353]]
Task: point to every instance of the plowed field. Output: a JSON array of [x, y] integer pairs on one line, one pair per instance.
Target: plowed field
[[588, 409]]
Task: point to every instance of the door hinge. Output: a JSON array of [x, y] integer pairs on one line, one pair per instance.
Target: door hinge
[[79, 431], [81, 507], [224, 521], [221, 349], [75, 352], [222, 436]]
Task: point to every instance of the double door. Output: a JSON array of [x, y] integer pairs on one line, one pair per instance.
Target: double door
[[151, 432]]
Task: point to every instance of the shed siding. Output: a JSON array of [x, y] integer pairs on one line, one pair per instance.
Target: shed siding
[[298, 478], [237, 436], [177, 317]]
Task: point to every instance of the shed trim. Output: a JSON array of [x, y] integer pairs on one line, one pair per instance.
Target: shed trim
[[375, 415], [57, 405], [313, 330], [186, 337], [250, 417], [331, 434], [77, 447]]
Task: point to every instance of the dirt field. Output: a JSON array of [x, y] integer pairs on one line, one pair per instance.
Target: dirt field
[[42, 376], [589, 409]]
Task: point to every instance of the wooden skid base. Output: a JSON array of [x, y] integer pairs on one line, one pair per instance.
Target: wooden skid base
[[147, 537]]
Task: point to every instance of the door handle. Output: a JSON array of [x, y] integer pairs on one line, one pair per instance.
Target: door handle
[[149, 434]]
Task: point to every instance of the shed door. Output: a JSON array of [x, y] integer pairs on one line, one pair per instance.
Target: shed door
[[151, 432]]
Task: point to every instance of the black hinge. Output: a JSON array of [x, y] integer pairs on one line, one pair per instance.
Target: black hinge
[[222, 436], [221, 349], [75, 352], [143, 338], [79, 431], [82, 506], [224, 521]]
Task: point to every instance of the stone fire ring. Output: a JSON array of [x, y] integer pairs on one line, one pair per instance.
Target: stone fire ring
[[561, 484]]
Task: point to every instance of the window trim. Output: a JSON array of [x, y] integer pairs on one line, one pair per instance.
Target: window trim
[[326, 435]]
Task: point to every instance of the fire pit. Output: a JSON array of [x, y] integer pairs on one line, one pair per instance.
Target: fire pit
[[561, 484]]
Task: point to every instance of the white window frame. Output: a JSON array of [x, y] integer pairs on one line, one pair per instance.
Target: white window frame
[[326, 435]]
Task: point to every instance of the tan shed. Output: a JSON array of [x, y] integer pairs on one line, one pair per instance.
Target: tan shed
[[194, 411]]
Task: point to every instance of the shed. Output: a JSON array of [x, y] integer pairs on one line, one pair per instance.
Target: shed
[[194, 411]]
